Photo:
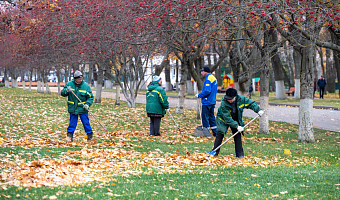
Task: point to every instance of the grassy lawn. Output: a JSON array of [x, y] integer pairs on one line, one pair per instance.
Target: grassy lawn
[[37, 163]]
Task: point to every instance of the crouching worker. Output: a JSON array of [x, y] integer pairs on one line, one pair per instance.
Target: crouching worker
[[156, 103], [230, 115], [76, 108]]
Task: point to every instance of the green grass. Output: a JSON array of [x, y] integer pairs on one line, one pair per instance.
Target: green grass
[[221, 183], [137, 166]]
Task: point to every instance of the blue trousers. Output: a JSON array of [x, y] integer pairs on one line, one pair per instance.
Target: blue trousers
[[208, 117], [74, 120]]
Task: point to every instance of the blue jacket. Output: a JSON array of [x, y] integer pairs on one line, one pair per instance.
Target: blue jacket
[[209, 90]]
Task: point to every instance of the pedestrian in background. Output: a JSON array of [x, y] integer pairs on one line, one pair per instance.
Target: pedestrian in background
[[322, 84], [208, 99], [76, 108], [250, 91], [230, 115], [156, 105]]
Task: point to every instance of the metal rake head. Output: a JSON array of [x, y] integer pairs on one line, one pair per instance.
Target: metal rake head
[[213, 153]]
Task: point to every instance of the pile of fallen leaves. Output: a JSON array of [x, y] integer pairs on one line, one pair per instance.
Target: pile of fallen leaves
[[87, 164]]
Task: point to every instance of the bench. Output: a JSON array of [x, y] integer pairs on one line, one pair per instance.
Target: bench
[[291, 91]]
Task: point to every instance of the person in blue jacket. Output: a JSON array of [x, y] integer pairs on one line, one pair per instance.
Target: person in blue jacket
[[208, 96]]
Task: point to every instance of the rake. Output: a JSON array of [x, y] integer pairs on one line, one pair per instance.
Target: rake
[[174, 121], [213, 152]]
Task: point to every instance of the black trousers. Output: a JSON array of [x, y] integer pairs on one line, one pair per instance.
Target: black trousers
[[237, 139], [155, 124], [322, 92]]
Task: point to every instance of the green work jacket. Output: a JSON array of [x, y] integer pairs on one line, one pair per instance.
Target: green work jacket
[[224, 119], [156, 99], [83, 92]]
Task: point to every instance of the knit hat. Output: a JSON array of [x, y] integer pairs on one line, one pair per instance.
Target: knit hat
[[230, 94], [156, 79], [205, 69], [77, 74]]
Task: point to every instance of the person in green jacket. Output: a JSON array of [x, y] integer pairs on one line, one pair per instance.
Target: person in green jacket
[[230, 115], [156, 105], [76, 108]]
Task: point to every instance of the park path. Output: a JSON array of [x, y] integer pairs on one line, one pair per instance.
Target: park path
[[325, 119]]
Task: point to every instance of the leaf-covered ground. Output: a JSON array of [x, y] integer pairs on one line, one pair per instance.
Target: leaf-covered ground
[[34, 153]]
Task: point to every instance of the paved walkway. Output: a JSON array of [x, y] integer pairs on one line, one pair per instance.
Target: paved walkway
[[322, 118]]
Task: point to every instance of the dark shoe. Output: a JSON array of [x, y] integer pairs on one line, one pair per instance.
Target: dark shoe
[[69, 137], [240, 156], [89, 136]]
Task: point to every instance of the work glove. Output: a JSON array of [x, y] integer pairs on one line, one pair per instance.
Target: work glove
[[196, 95], [68, 89], [260, 113], [86, 107], [240, 128]]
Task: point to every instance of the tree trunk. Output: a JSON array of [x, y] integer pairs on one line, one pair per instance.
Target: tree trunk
[[6, 78], [48, 91], [168, 86], [95, 75], [117, 94], [108, 84], [330, 73], [182, 91], [177, 76], [306, 133], [272, 86], [42, 86], [189, 84], [90, 74], [58, 73], [39, 86], [14, 78], [290, 62], [234, 67], [277, 66], [264, 84], [264, 99], [218, 72], [30, 84], [68, 73], [98, 98], [323, 70], [297, 64], [335, 36], [23, 80]]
